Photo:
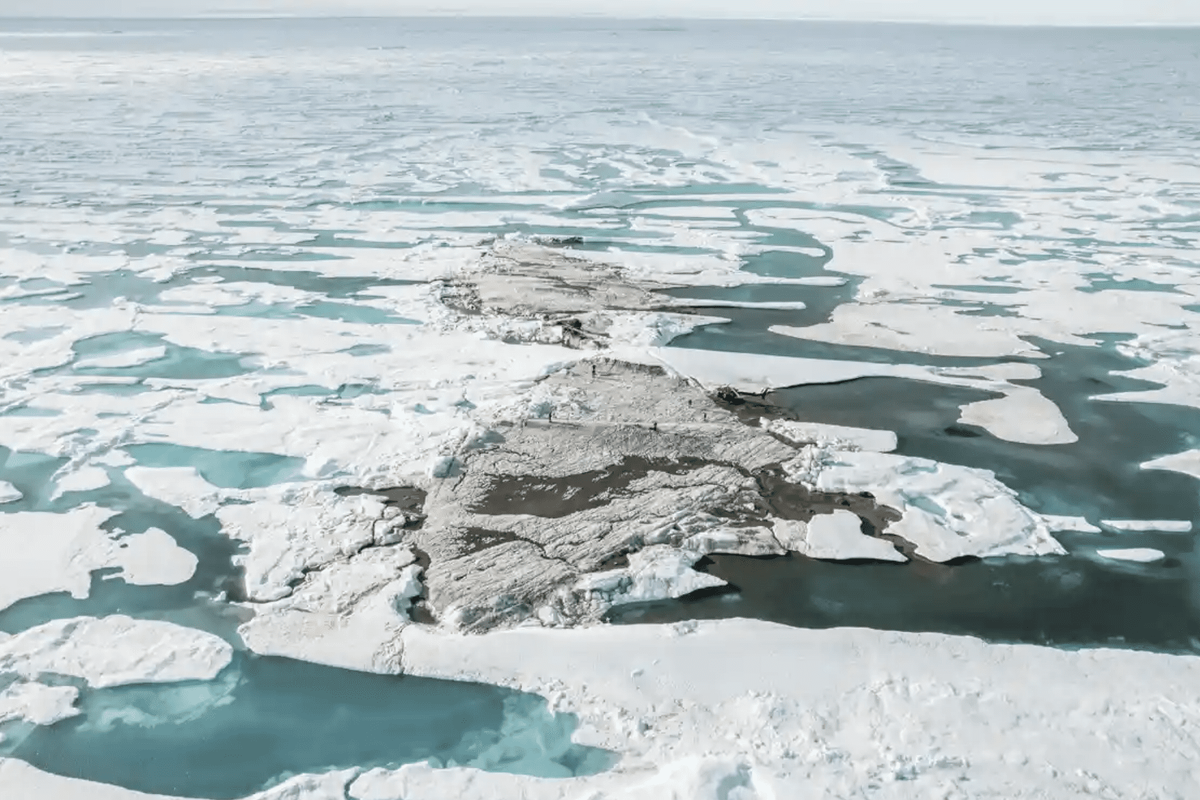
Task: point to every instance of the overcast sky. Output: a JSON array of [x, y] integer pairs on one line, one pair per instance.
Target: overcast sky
[[1001, 11]]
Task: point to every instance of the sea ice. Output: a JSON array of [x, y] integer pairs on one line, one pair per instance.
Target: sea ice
[[1022, 415], [46, 552], [294, 527], [837, 437], [1159, 525], [1140, 555], [662, 696], [114, 651], [755, 374], [837, 536], [127, 358], [9, 493], [1056, 522], [84, 479], [947, 511], [37, 703], [348, 614], [1187, 463], [152, 558], [31, 782], [178, 486]]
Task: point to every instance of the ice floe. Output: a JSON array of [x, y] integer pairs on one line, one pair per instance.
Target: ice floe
[[948, 511], [47, 552], [1186, 463], [178, 486], [1140, 555], [1057, 522], [9, 493], [348, 614], [663, 695], [1160, 525], [114, 651], [837, 536], [37, 703]]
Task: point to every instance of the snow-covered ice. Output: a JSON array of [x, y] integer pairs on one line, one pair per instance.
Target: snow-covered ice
[[47, 552], [114, 651], [9, 493], [947, 511], [1160, 525], [37, 703], [1140, 555], [835, 536]]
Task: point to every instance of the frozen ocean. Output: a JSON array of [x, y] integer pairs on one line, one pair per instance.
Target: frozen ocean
[[310, 486]]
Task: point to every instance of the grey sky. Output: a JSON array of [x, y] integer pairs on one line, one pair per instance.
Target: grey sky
[[999, 11]]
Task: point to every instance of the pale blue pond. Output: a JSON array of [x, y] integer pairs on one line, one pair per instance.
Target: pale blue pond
[[265, 718]]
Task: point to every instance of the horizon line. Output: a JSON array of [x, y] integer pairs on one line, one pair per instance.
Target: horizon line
[[980, 23]]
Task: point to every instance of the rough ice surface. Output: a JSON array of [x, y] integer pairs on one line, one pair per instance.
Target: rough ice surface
[[835, 536], [825, 700], [37, 703], [836, 436], [349, 614], [947, 511], [114, 651], [1140, 555], [9, 493], [1056, 522]]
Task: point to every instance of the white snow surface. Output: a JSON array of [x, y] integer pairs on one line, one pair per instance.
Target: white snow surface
[[832, 713], [836, 537], [948, 511], [1140, 555], [114, 651], [31, 782]]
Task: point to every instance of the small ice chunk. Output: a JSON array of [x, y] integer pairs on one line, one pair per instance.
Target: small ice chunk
[[835, 537], [1141, 555], [115, 651], [1056, 522], [128, 358], [37, 703], [1159, 525], [9, 493]]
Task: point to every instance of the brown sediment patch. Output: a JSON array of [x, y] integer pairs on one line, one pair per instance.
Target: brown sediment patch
[[552, 498], [542, 496]]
